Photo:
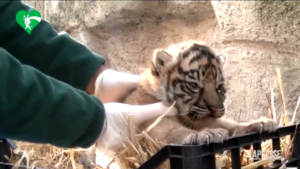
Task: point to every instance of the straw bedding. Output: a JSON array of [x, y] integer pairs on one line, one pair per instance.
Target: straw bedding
[[141, 147]]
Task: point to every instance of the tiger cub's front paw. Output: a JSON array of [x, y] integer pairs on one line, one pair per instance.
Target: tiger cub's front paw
[[262, 124], [207, 136]]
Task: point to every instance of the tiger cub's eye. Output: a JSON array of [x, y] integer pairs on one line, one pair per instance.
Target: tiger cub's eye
[[193, 85], [221, 89]]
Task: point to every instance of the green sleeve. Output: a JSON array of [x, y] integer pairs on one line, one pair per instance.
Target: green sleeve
[[38, 108], [56, 55]]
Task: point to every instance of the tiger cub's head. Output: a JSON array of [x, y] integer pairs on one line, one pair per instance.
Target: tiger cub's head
[[191, 74]]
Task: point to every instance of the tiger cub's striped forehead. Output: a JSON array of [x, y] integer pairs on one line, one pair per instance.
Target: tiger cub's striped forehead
[[197, 62]]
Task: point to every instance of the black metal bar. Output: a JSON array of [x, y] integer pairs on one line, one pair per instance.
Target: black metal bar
[[161, 156], [4, 151], [276, 147], [235, 156], [296, 147], [211, 161]]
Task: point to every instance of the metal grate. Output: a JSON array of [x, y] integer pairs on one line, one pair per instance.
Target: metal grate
[[203, 156], [200, 156]]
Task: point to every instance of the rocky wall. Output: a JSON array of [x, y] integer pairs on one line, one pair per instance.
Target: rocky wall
[[256, 36]]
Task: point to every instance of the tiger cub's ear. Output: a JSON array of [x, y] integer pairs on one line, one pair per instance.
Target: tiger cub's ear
[[160, 60]]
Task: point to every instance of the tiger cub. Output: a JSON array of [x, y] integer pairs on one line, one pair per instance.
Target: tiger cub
[[192, 75]]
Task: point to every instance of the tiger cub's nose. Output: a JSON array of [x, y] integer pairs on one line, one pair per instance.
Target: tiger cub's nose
[[213, 109]]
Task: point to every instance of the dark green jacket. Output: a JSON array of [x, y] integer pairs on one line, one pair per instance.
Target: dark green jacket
[[37, 102]]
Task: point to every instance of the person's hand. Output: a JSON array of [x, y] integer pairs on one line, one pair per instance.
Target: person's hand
[[115, 129], [112, 86]]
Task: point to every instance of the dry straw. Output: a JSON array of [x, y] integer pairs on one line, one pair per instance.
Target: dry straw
[[140, 147]]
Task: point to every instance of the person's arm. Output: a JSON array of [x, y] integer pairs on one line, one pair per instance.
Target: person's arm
[[38, 108], [57, 55]]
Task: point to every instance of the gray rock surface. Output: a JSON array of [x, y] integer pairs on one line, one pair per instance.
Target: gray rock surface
[[257, 37]]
